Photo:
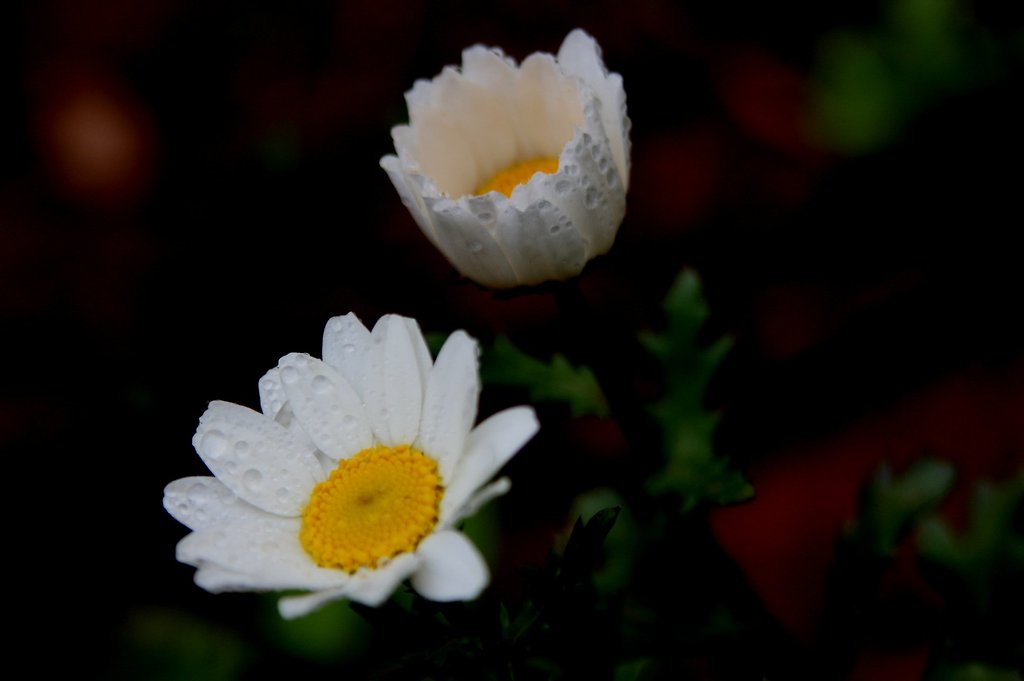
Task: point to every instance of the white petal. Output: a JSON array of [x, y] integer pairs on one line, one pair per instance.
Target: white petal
[[449, 406], [346, 342], [420, 350], [258, 459], [199, 502], [580, 56], [394, 381], [542, 244], [326, 406], [548, 106], [373, 587], [291, 607], [410, 195], [264, 551], [481, 498], [452, 568], [489, 446], [272, 395], [466, 239]]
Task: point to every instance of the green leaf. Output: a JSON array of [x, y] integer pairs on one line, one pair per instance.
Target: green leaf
[[991, 544], [893, 503], [329, 634], [692, 470], [557, 381]]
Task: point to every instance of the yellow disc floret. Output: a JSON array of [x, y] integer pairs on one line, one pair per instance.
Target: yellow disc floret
[[517, 174], [381, 502]]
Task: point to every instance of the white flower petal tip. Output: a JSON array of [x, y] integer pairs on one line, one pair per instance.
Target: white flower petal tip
[[554, 129], [376, 414]]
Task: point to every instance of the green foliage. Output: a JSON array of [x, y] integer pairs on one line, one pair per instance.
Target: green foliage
[[331, 634], [871, 84], [692, 470], [975, 671], [166, 645], [557, 381], [892, 504], [562, 630], [991, 548]]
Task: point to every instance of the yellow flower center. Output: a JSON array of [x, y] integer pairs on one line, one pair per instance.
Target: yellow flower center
[[381, 502], [517, 174]]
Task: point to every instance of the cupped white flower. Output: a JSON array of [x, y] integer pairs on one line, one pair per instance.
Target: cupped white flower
[[354, 475], [518, 174]]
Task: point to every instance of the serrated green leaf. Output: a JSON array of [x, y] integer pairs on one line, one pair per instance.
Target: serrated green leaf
[[892, 503], [556, 381], [692, 470], [991, 542]]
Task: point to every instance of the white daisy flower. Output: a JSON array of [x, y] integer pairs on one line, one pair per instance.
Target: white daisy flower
[[518, 174], [354, 476]]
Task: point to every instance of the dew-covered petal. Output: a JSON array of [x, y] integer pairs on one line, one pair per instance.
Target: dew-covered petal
[[266, 551], [272, 395], [346, 341], [580, 56], [410, 195], [541, 243], [199, 502], [452, 568], [449, 405], [477, 501], [394, 381], [326, 406], [467, 241], [258, 459], [489, 446]]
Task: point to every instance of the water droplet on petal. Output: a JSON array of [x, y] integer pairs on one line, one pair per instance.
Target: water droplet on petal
[[242, 449], [484, 216], [349, 348], [590, 198], [289, 375], [475, 246], [253, 480], [214, 444], [282, 493], [563, 186], [322, 385]]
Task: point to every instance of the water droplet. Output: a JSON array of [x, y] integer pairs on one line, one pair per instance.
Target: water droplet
[[199, 492], [214, 444], [611, 176], [200, 516], [590, 198], [544, 205], [348, 420], [554, 228], [282, 493], [475, 246], [253, 480], [572, 170], [484, 216], [602, 163], [322, 385], [587, 139], [289, 375], [242, 448], [301, 361], [349, 348], [232, 466], [563, 186], [268, 385]]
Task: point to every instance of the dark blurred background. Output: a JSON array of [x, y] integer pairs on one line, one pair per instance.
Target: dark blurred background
[[189, 190]]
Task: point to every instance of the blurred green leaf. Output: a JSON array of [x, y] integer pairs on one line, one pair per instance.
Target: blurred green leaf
[[992, 544], [893, 503], [871, 84], [168, 645], [692, 471], [558, 381], [622, 545], [975, 671], [330, 634]]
